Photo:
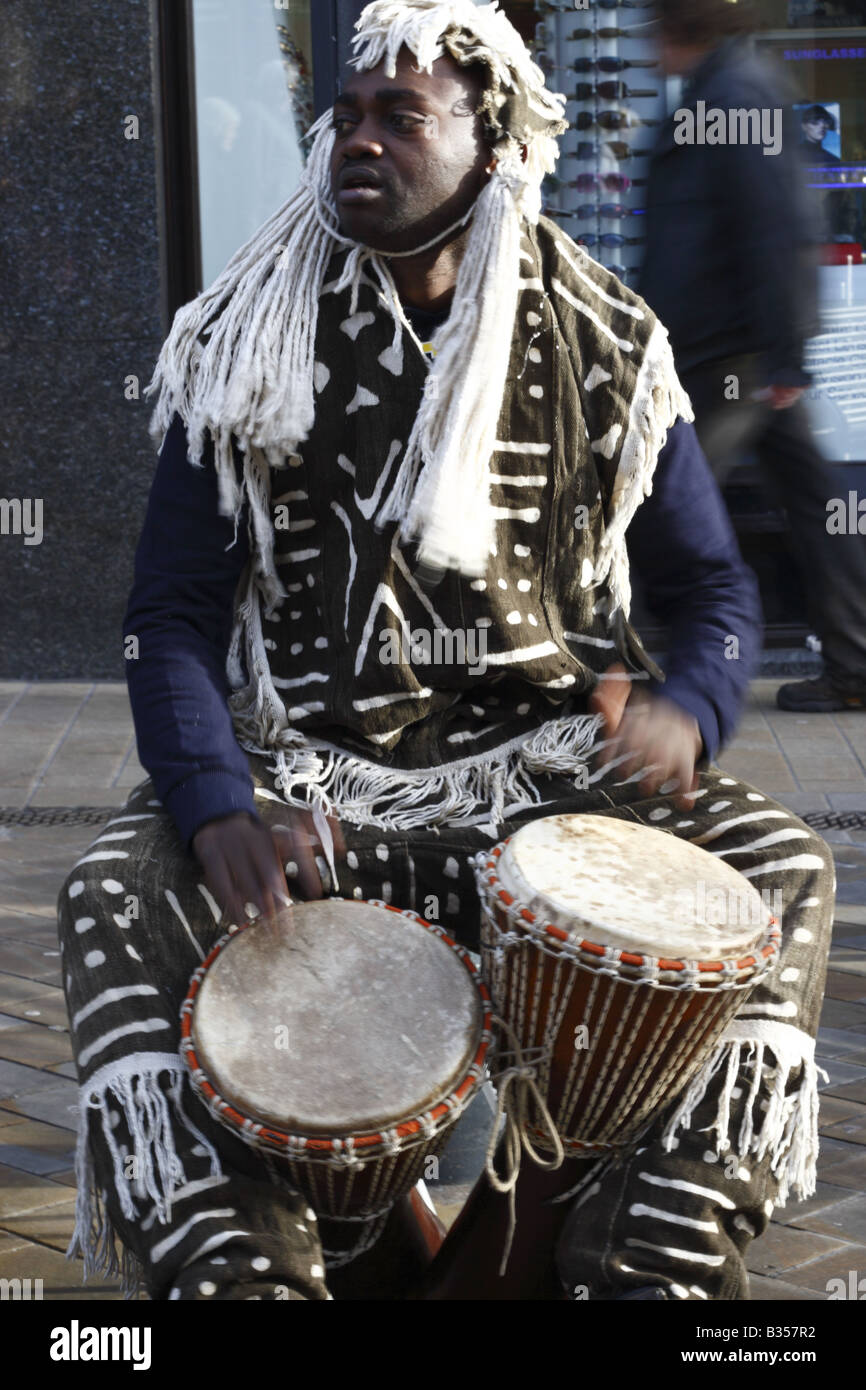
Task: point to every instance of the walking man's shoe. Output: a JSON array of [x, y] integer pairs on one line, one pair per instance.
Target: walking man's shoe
[[821, 696]]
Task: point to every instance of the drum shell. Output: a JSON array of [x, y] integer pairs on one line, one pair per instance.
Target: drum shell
[[649, 1025]]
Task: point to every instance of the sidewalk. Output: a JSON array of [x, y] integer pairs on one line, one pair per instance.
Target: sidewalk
[[71, 745]]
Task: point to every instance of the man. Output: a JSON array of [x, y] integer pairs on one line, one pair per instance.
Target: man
[[307, 750], [729, 270]]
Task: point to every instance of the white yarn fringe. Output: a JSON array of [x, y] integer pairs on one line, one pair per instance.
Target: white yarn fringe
[[788, 1131], [659, 400], [132, 1086], [497, 784]]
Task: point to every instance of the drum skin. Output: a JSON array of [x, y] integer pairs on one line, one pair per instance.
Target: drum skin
[[387, 1026]]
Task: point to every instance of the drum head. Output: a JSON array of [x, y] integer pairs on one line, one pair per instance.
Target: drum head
[[352, 1019], [621, 884]]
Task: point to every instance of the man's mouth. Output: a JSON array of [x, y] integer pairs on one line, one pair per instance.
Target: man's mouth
[[358, 186]]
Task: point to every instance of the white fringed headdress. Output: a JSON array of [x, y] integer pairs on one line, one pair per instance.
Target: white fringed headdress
[[239, 360]]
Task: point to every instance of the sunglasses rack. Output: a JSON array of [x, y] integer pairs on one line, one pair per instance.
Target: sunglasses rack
[[603, 58]]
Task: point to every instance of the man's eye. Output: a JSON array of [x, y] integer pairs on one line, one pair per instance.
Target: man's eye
[[404, 122], [338, 123]]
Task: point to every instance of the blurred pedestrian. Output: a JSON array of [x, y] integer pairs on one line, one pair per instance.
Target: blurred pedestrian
[[730, 269]]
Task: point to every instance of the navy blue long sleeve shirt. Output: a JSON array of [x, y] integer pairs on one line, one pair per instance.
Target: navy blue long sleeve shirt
[[189, 561]]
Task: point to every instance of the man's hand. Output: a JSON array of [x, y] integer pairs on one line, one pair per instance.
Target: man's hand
[[244, 861], [653, 732]]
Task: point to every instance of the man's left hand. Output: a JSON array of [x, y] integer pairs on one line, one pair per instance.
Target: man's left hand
[[647, 731]]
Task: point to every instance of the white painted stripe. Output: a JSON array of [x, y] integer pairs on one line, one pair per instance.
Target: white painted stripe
[[173, 903], [299, 680], [682, 1186], [147, 1025], [698, 1293], [523, 479], [111, 996], [622, 343], [513, 446], [177, 1236], [295, 557], [796, 861], [590, 641], [777, 837], [101, 854], [522, 654], [516, 513], [672, 1253], [116, 835], [638, 1209], [210, 900], [181, 1193], [721, 826], [377, 701], [212, 1243], [353, 558], [531, 283], [602, 294], [787, 1010], [144, 815]]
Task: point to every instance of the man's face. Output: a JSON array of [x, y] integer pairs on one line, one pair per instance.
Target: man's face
[[815, 130], [417, 136]]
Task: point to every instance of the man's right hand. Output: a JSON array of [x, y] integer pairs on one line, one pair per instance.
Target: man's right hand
[[244, 861]]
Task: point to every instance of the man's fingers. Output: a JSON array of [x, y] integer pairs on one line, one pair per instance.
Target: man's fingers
[[610, 696]]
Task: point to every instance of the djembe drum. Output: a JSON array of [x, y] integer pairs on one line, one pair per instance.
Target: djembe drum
[[616, 955], [342, 1041]]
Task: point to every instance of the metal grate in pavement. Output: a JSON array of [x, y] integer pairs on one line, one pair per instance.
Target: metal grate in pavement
[[55, 815], [835, 820]]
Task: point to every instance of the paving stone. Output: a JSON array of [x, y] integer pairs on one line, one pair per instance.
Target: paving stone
[[17, 1079], [846, 1219], [62, 1279], [9, 1243], [832, 1110], [34, 1044], [783, 1249], [68, 1179], [56, 1102], [47, 1007], [850, 913], [850, 1127], [764, 1290], [851, 1090], [837, 1042], [849, 988], [33, 962], [21, 1192], [792, 1214], [65, 1069], [839, 1265], [837, 1013], [840, 1073], [842, 1164], [37, 1147], [48, 1225]]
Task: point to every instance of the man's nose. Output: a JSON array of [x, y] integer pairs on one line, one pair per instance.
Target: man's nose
[[362, 140]]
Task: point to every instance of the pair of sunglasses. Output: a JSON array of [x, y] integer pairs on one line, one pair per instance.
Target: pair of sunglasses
[[608, 210], [611, 64], [615, 149], [611, 91], [608, 239], [610, 120]]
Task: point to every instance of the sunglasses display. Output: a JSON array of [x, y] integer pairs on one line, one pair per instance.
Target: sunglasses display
[[611, 120], [610, 91], [608, 239], [611, 183], [611, 149], [606, 33], [611, 64], [608, 210]]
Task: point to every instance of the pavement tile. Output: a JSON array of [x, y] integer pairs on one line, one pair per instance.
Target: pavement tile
[[850, 1090], [62, 1279], [842, 1164], [68, 1177], [48, 1225], [9, 1243], [793, 1213], [765, 1290], [837, 1042], [37, 1148], [832, 1110], [851, 1127], [845, 1219], [782, 1249], [840, 1073], [835, 1013], [838, 1265], [851, 988], [21, 1192], [48, 1006], [56, 1102], [87, 793], [33, 962], [34, 1044]]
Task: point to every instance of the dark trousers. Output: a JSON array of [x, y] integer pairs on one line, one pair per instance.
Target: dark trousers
[[801, 481]]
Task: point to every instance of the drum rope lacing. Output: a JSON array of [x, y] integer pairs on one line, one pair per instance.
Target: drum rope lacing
[[519, 1079]]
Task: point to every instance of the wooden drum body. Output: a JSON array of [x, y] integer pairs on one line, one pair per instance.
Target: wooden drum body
[[599, 957], [343, 1041]]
